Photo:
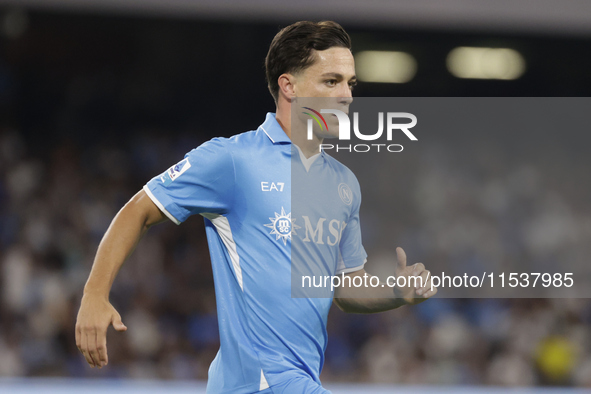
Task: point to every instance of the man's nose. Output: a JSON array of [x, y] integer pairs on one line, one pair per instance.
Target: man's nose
[[345, 94], [346, 97]]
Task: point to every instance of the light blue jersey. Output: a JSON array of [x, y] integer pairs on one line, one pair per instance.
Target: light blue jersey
[[270, 342]]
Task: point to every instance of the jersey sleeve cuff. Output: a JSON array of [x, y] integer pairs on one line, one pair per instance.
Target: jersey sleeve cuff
[[348, 270], [160, 205]]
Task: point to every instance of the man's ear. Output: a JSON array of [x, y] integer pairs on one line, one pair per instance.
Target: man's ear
[[287, 86]]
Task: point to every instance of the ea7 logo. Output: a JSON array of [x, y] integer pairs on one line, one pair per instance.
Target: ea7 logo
[[345, 125], [272, 186]]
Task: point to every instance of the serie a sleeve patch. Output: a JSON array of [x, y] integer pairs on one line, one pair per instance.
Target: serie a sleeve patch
[[175, 171]]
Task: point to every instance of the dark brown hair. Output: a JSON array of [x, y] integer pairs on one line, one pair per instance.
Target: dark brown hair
[[291, 49]]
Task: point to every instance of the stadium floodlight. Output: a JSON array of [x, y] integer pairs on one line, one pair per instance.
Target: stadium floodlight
[[385, 66], [485, 63]]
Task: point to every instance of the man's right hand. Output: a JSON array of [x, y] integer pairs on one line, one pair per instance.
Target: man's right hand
[[95, 316]]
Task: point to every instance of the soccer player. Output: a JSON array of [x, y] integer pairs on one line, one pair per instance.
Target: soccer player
[[270, 342]]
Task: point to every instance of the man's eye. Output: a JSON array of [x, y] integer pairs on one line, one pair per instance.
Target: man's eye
[[331, 82], [352, 85]]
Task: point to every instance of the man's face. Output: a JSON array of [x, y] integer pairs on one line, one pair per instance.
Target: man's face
[[331, 76]]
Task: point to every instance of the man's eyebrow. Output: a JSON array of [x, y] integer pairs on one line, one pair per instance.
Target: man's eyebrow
[[338, 76], [334, 75]]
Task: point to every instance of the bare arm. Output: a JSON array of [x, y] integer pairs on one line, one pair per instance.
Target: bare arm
[[96, 312], [368, 299]]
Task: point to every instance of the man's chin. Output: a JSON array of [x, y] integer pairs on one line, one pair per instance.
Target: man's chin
[[328, 136]]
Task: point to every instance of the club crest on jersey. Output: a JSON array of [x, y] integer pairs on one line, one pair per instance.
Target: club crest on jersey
[[345, 193], [175, 171], [282, 226]]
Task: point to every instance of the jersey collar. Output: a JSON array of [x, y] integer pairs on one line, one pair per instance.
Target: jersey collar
[[273, 130]]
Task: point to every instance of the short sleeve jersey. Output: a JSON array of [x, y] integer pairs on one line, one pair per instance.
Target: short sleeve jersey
[[242, 186]]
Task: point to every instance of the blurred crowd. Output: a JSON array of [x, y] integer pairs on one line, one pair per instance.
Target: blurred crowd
[[54, 213], [475, 206], [55, 209]]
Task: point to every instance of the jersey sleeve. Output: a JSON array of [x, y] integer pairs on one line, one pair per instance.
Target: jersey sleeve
[[202, 182], [352, 256]]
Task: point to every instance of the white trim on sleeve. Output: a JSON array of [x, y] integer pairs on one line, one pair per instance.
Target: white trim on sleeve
[[349, 270], [160, 206]]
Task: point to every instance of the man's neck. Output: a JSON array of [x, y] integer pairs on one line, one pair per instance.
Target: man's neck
[[308, 147]]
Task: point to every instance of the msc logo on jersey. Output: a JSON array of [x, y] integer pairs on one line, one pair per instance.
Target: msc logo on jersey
[[282, 225], [175, 171], [345, 193], [318, 234]]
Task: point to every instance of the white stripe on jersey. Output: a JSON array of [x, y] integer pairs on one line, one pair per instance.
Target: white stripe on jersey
[[223, 227]]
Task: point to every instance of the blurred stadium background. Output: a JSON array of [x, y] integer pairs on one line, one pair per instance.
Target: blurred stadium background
[[96, 97]]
